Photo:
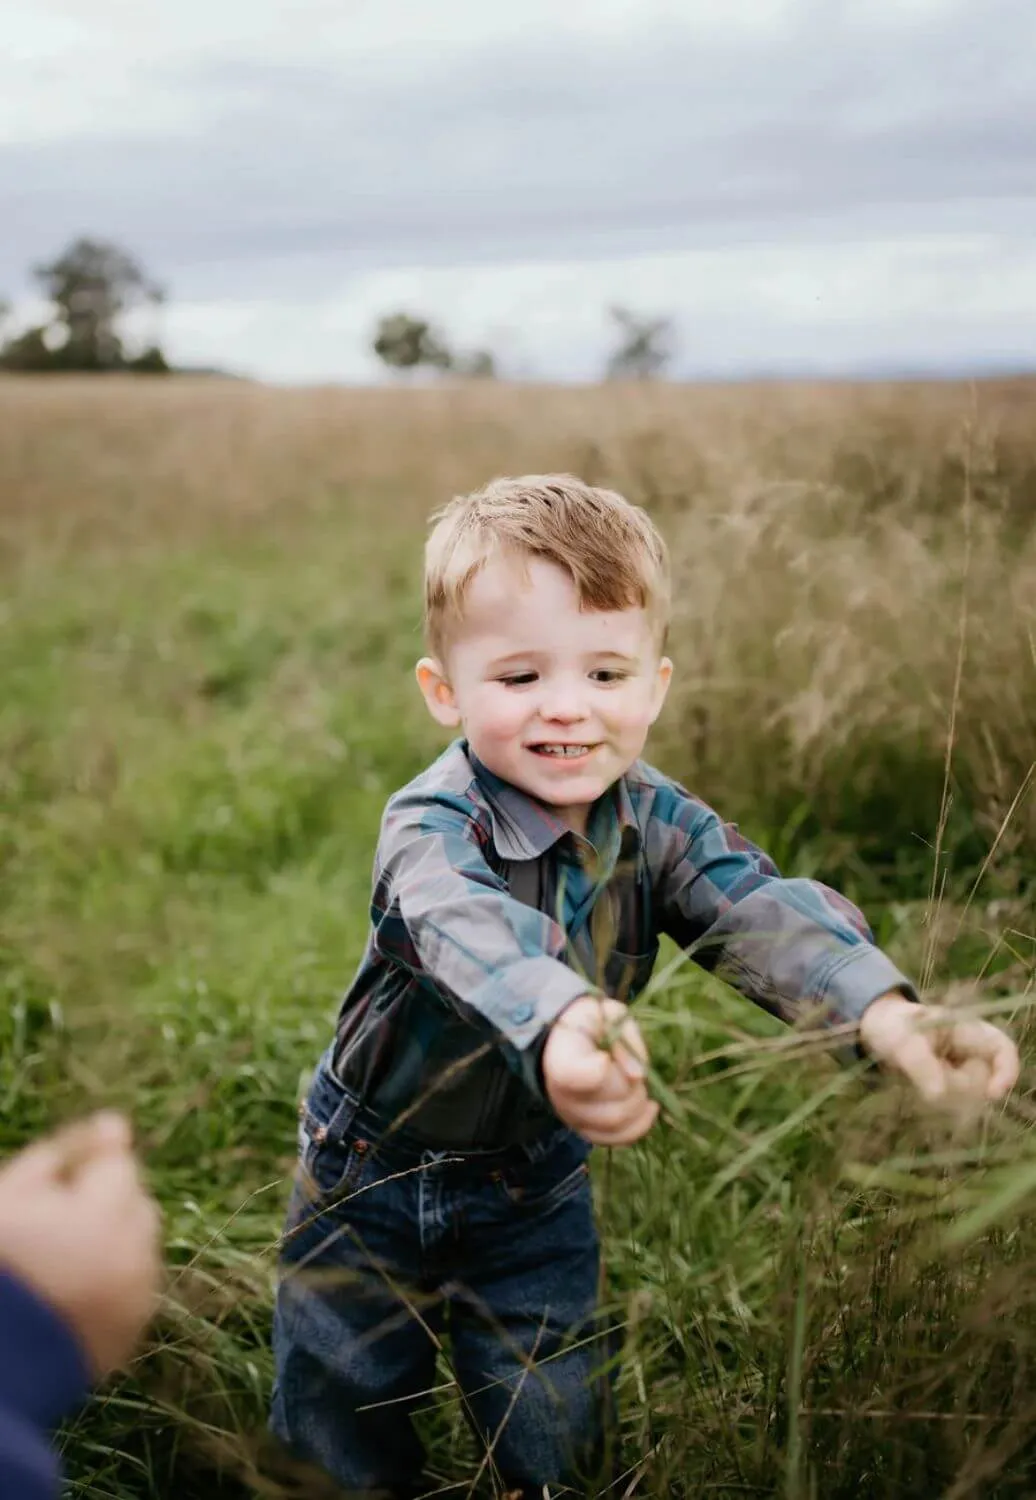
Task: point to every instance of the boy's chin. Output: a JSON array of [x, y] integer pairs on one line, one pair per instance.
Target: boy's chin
[[581, 791]]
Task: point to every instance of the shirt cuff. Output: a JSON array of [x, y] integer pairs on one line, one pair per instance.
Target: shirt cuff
[[854, 979], [523, 1003]]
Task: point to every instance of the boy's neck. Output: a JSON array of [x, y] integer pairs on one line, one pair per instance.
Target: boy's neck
[[577, 818]]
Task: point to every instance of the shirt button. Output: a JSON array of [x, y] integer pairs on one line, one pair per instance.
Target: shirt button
[[521, 1014]]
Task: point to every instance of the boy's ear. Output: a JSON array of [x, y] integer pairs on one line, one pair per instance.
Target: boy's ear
[[437, 693], [664, 676]]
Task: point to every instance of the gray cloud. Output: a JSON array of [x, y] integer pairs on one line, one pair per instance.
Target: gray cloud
[[295, 178]]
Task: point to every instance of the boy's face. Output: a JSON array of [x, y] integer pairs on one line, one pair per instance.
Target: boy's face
[[554, 699]]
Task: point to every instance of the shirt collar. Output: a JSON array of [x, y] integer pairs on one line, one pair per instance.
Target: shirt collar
[[524, 828]]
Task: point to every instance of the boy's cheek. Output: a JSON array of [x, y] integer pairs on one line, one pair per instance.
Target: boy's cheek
[[500, 725]]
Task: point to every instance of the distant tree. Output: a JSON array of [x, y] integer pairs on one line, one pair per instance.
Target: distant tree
[[477, 364], [151, 362], [645, 348], [92, 284], [29, 353], [404, 342]]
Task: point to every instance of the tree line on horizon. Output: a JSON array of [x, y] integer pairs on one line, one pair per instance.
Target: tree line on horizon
[[93, 285]]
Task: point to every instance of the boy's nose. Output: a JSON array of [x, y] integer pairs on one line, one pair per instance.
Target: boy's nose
[[563, 708]]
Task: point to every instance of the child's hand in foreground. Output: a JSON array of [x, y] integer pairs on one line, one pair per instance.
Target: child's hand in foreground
[[594, 1073], [947, 1057], [77, 1225]]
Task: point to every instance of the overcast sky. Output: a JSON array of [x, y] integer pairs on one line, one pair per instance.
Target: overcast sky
[[827, 185]]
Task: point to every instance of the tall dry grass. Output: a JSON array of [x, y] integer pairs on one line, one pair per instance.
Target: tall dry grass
[[856, 565]]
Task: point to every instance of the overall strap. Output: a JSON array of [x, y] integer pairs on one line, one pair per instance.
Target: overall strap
[[523, 881]]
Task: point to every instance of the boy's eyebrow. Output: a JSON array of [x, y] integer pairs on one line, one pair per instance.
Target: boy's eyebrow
[[503, 661], [607, 654]]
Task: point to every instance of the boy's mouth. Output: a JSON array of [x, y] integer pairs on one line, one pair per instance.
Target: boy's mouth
[[559, 751]]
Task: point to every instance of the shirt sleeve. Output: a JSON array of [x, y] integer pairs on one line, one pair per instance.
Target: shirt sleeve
[[794, 946], [443, 913], [43, 1375]]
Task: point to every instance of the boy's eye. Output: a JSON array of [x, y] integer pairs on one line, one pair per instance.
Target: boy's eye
[[608, 674], [517, 679]]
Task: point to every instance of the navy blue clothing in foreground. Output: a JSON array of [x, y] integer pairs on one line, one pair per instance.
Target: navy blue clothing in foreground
[[43, 1375]]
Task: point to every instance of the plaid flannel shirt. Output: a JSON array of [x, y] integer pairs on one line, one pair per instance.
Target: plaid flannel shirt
[[489, 916]]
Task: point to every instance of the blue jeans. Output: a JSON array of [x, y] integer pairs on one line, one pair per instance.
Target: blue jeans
[[388, 1244]]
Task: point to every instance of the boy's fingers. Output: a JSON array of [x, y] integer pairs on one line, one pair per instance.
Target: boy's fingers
[[33, 1165], [596, 1077], [616, 1084], [576, 1065], [970, 1079], [629, 1131], [912, 1055], [60, 1155], [110, 1131], [109, 1182], [612, 1114], [631, 1053], [631, 1068], [980, 1040], [1004, 1071], [594, 1069], [592, 1015], [87, 1141]]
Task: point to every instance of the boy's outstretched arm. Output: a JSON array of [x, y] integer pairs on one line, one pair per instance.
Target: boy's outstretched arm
[[798, 949]]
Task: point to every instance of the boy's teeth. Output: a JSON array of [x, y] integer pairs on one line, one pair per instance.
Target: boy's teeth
[[563, 749]]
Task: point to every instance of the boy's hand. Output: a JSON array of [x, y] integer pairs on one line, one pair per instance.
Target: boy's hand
[[77, 1226], [944, 1055], [600, 1093]]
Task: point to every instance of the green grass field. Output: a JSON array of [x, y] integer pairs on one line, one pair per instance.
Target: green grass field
[[209, 612]]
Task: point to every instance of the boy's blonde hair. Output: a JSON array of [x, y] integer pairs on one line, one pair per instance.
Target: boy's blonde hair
[[609, 547]]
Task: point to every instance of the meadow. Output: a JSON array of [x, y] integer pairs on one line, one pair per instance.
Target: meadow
[[209, 611]]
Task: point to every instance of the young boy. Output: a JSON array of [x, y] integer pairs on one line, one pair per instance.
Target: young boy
[[521, 883]]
